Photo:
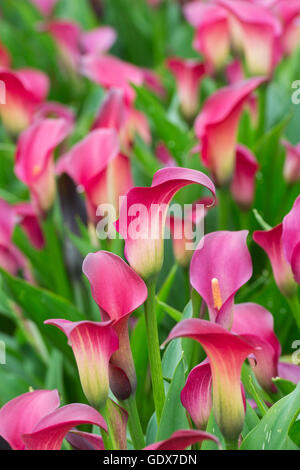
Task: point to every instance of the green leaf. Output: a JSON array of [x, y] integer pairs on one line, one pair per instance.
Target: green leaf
[[40, 305], [173, 415], [272, 432], [177, 140], [284, 386], [295, 433]]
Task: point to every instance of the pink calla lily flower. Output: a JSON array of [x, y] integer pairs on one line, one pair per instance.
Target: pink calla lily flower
[[28, 219], [226, 353], [218, 270], [51, 109], [66, 35], [44, 6], [188, 75], [182, 439], [98, 40], [111, 72], [34, 164], [127, 121], [50, 432], [243, 181], [34, 421], [217, 125], [11, 259], [291, 239], [73, 42], [289, 13], [143, 227], [271, 241], [183, 230], [260, 31], [254, 324], [106, 177], [289, 372], [212, 38], [116, 300], [164, 156], [196, 395], [93, 345], [153, 82], [25, 90], [291, 169]]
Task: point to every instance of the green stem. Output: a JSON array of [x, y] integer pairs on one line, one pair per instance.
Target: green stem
[[154, 350], [232, 445], [224, 208], [295, 307], [262, 99], [106, 437], [134, 423]]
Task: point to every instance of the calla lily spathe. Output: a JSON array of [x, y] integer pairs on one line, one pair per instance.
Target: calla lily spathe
[[243, 181], [226, 353], [291, 170], [217, 124], [34, 421], [188, 75], [93, 345], [25, 90], [97, 167], [143, 227], [212, 32], [34, 164], [218, 269], [259, 35], [118, 291]]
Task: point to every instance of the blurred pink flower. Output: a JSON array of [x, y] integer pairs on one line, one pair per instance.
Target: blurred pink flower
[[34, 421]]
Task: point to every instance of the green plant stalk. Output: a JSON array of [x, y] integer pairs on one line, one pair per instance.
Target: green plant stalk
[[134, 423], [295, 307], [224, 208], [154, 350], [232, 445], [106, 436], [262, 99]]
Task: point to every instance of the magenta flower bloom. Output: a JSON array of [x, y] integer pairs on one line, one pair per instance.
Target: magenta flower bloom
[[212, 32], [25, 90], [33, 420], [45, 6], [143, 216], [98, 40], [66, 34], [164, 156], [196, 395], [291, 239], [93, 345], [217, 125], [289, 372], [111, 72], [182, 439], [271, 241], [11, 259], [218, 270], [52, 109], [182, 230], [243, 181], [105, 177], [112, 112], [188, 75], [27, 217], [116, 300], [291, 169], [226, 353], [259, 31], [254, 324], [34, 164], [289, 13]]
